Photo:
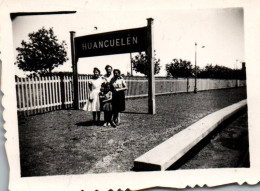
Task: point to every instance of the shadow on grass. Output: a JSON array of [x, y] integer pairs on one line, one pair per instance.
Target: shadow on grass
[[85, 123], [132, 112], [90, 123]]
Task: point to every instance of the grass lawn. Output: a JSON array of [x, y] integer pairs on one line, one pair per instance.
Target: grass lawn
[[64, 142]]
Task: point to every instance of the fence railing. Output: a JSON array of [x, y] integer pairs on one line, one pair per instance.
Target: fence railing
[[43, 94]]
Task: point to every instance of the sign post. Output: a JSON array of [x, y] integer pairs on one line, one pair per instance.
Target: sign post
[[75, 71], [150, 56]]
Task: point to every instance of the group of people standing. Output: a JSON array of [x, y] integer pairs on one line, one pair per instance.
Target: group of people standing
[[106, 94]]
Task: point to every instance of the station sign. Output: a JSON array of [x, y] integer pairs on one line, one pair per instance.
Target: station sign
[[116, 42]]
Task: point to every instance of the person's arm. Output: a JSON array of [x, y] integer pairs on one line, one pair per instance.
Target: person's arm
[[124, 86], [108, 97], [121, 89], [90, 97], [101, 96], [90, 85]]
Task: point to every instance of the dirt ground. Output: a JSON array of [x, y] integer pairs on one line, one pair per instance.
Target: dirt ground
[[65, 142]]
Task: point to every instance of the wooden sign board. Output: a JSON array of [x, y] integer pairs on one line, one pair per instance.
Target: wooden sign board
[[116, 42]]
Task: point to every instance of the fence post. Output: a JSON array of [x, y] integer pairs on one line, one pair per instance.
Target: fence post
[[62, 90]]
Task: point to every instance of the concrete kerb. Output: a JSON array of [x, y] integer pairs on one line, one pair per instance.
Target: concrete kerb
[[167, 153]]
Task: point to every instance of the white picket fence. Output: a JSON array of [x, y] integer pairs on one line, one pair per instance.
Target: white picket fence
[[39, 95]]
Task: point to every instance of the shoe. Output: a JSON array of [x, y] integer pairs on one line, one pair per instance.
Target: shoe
[[105, 125], [113, 124], [117, 121]]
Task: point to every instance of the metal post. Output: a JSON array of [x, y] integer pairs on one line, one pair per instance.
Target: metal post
[[195, 87], [150, 56], [74, 71]]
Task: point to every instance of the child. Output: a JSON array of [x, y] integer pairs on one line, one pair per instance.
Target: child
[[106, 106]]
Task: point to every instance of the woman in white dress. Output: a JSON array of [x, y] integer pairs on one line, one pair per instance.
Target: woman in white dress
[[93, 103]]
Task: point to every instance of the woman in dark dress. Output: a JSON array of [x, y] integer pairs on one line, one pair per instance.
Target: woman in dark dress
[[118, 87]]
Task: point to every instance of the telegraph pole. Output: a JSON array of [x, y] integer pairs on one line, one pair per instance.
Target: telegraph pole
[[195, 87]]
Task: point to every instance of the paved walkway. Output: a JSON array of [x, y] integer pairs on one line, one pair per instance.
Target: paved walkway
[[65, 142]]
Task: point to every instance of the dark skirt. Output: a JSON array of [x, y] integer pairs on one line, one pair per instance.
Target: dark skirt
[[118, 101], [107, 106]]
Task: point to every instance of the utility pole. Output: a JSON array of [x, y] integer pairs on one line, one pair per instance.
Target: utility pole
[[195, 87]]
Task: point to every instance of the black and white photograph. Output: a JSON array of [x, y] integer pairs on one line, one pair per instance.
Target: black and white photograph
[[130, 92]]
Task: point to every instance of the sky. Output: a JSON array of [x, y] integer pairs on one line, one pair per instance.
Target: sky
[[175, 32]]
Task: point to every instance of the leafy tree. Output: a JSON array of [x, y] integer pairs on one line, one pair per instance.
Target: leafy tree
[[140, 64], [180, 68], [218, 72], [42, 53]]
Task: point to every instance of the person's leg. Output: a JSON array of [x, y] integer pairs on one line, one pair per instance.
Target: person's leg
[[115, 115], [94, 117], [98, 117], [109, 116], [118, 119], [105, 118]]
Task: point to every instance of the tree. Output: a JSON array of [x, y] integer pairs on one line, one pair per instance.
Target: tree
[[42, 53], [179, 68], [218, 72], [140, 64]]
